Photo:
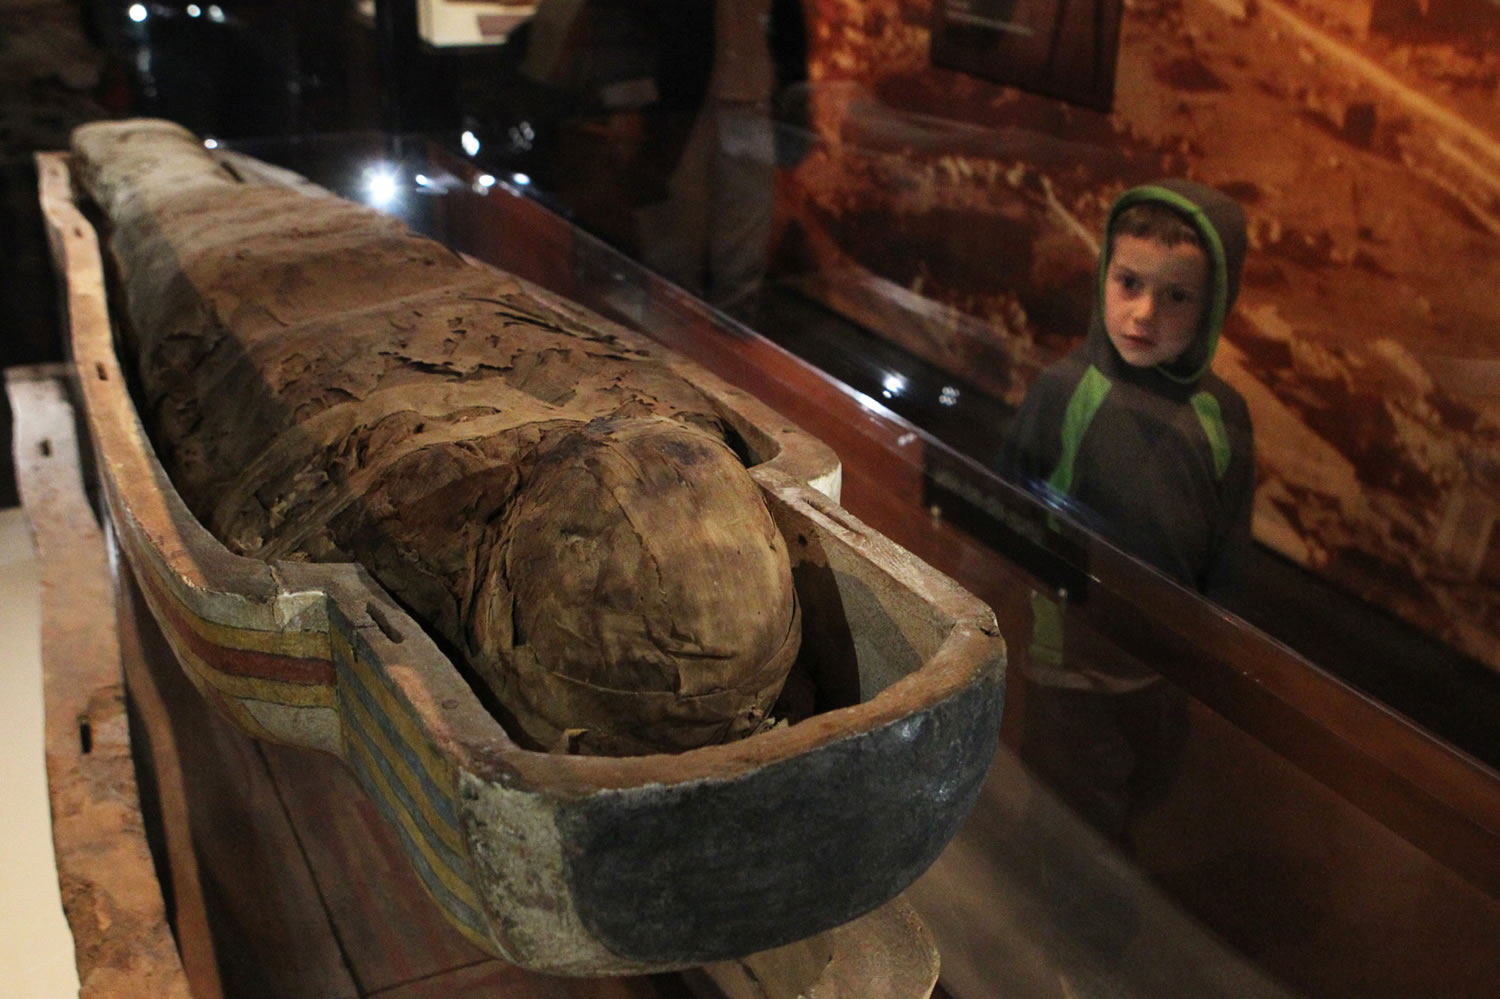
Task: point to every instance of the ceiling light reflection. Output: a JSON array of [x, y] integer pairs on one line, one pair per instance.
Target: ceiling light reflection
[[382, 184]]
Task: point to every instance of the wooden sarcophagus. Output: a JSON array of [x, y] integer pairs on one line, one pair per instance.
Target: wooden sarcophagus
[[586, 624]]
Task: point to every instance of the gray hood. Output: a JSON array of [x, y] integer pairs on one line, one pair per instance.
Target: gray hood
[[1221, 223]]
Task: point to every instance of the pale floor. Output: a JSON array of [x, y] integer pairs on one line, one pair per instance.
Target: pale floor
[[36, 948]]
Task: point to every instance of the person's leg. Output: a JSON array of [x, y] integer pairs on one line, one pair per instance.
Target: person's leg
[[1073, 745], [1071, 740], [1154, 721], [674, 232], [743, 205]]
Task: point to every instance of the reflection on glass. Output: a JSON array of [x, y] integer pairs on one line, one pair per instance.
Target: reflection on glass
[[1135, 428], [900, 223], [382, 186]]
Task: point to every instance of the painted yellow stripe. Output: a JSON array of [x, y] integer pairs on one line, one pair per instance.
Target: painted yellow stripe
[[439, 769], [292, 644], [473, 934], [237, 689], [291, 695], [294, 695], [203, 676], [455, 881], [357, 712]]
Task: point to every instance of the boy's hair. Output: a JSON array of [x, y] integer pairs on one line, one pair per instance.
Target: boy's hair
[[1156, 221]]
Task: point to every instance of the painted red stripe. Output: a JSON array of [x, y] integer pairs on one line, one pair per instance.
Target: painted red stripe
[[236, 662]]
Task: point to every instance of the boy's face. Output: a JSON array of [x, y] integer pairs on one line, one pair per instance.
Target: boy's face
[[1154, 297]]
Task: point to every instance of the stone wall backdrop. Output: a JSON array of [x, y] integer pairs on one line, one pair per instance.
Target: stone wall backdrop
[[959, 218]]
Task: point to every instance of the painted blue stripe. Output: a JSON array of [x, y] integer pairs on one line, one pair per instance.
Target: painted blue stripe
[[452, 859], [461, 910], [351, 681], [457, 909]]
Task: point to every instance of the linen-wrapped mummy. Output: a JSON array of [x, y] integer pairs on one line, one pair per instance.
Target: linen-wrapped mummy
[[555, 504]]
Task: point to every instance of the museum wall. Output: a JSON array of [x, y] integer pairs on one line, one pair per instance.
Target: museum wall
[[958, 217]]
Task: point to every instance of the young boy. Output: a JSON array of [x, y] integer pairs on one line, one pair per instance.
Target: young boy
[[1156, 451]]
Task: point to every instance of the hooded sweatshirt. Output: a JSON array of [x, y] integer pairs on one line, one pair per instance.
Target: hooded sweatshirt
[[1158, 460]]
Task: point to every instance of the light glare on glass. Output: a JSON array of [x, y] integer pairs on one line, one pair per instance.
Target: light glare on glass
[[470, 143], [381, 186], [138, 12]]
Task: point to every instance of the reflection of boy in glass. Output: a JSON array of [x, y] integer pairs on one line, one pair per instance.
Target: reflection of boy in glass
[[1136, 431]]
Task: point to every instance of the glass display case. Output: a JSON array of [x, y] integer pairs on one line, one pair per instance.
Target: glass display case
[[1303, 836]]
